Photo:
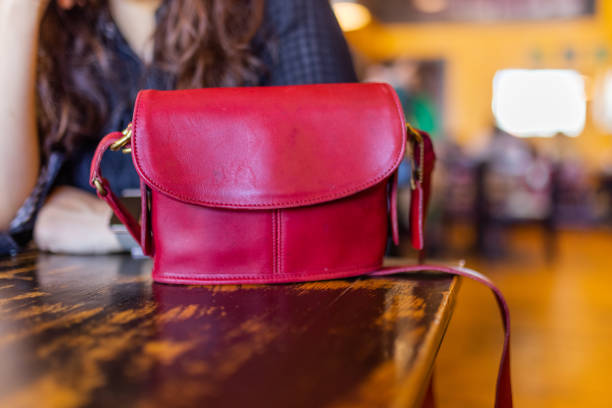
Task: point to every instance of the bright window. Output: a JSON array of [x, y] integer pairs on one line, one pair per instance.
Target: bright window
[[539, 103]]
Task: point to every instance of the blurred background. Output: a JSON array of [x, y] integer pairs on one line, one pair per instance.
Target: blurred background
[[517, 95]]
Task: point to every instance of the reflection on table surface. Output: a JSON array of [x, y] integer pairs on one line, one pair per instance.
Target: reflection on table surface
[[97, 331]]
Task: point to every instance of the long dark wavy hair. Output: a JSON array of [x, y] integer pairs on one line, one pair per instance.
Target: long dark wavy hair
[[201, 43]]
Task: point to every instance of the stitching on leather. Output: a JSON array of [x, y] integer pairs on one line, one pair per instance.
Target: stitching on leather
[[312, 274], [314, 200], [420, 216], [274, 238], [280, 241], [276, 269]]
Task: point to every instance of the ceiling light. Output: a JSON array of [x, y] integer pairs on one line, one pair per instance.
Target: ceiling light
[[351, 15], [430, 6]]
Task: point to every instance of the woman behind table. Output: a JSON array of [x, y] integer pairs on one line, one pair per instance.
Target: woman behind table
[[70, 71]]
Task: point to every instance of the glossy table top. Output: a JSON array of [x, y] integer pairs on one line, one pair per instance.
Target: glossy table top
[[95, 331]]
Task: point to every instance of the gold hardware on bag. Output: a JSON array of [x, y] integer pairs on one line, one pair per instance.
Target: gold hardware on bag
[[419, 171], [125, 140], [119, 144], [99, 186]]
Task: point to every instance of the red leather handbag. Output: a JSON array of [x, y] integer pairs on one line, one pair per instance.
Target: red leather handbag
[[275, 184]]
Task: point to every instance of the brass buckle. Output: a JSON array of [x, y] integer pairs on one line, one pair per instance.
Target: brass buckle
[[99, 186], [126, 139], [420, 171], [414, 133]]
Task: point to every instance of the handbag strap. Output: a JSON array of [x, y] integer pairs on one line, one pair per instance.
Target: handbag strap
[[103, 187], [421, 155], [503, 398]]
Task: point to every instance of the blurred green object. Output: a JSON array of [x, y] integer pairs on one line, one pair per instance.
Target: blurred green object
[[420, 111]]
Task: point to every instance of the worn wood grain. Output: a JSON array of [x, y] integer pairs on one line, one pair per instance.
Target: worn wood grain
[[95, 331]]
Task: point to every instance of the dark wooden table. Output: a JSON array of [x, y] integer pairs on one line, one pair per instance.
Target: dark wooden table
[[95, 331]]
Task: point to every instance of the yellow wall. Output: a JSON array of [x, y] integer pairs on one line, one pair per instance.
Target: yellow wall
[[474, 52]]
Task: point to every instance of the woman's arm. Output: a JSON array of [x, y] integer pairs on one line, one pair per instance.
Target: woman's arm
[[19, 151], [74, 221], [308, 44]]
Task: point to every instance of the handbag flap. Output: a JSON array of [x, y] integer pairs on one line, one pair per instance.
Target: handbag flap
[[267, 147]]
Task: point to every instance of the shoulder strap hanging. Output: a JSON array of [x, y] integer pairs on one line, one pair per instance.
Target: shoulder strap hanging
[[503, 398], [422, 160]]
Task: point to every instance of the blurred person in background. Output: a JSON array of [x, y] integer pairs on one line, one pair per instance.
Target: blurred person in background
[[70, 71]]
